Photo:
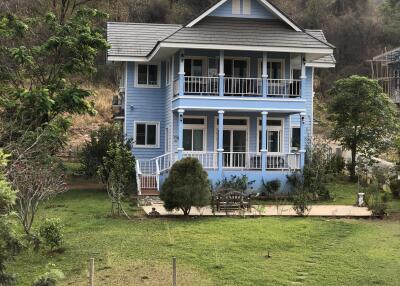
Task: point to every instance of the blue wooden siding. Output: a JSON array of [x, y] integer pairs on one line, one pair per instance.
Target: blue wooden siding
[[309, 97], [145, 104], [257, 10]]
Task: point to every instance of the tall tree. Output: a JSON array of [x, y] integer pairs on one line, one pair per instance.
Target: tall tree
[[364, 118]]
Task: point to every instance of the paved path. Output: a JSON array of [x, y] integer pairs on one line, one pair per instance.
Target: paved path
[[271, 210]]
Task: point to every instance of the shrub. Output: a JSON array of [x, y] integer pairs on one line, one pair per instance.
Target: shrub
[[271, 187], [376, 201], [395, 187], [50, 278], [337, 164], [316, 170], [51, 233], [118, 171], [92, 154], [187, 186], [236, 183], [300, 195]]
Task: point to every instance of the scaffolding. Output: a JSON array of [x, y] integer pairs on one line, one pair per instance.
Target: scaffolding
[[386, 70]]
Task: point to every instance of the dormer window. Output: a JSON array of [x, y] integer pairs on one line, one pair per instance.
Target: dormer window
[[147, 75]]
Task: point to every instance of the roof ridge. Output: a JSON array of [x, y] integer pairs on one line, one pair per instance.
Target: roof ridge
[[149, 24]]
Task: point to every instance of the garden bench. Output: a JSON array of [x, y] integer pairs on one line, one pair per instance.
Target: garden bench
[[228, 200]]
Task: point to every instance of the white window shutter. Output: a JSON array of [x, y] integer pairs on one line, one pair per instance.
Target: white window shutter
[[235, 6]]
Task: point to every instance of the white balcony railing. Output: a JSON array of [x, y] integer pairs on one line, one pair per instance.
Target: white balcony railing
[[243, 86], [201, 85], [236, 86], [284, 87]]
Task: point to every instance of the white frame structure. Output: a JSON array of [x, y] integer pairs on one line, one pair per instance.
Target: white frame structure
[[157, 124], [269, 61], [272, 128], [202, 127], [232, 127]]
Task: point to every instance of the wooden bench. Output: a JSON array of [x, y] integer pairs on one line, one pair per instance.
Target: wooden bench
[[228, 200]]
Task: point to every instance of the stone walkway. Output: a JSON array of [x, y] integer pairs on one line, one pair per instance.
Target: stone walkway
[[272, 210]]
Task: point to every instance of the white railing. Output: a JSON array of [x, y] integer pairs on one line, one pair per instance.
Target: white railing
[[236, 86], [241, 160], [201, 85], [209, 160], [284, 87], [243, 86], [253, 161], [283, 162]]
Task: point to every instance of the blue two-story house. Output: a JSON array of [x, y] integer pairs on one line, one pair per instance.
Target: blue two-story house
[[232, 88]]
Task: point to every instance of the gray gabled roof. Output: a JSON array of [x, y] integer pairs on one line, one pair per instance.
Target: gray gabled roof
[[136, 39], [319, 34], [248, 32]]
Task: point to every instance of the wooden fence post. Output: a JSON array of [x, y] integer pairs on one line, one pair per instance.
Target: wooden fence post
[[91, 272], [174, 271]]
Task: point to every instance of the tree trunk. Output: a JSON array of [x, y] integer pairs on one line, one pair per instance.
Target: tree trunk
[[353, 163], [186, 211]]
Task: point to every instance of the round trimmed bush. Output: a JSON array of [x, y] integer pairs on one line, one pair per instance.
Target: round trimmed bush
[[187, 186]]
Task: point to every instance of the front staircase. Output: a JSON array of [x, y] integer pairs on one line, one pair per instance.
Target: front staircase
[[148, 173]]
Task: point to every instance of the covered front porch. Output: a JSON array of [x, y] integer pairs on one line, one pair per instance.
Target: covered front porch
[[229, 141]]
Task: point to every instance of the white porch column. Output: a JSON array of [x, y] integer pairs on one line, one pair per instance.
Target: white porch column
[[302, 139], [220, 141], [221, 72], [265, 75], [264, 144], [181, 73], [303, 76], [180, 133]]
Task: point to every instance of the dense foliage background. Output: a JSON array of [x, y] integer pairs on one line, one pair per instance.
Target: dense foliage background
[[359, 29]]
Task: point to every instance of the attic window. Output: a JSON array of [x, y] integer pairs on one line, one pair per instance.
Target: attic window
[[246, 7], [235, 7]]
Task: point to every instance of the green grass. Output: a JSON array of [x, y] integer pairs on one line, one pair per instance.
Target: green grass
[[214, 251]]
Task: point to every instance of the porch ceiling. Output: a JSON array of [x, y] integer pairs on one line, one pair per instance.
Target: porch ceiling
[[273, 105]]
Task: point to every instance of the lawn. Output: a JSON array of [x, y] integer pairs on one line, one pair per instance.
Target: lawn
[[214, 251]]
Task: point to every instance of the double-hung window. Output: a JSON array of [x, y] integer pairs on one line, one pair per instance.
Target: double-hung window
[[194, 133], [147, 75], [147, 134]]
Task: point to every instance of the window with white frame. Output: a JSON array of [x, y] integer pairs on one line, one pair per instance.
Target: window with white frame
[[147, 134], [274, 135], [147, 75], [167, 72], [275, 68], [194, 133]]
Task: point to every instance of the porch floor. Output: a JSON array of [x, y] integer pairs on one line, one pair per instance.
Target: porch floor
[[271, 210]]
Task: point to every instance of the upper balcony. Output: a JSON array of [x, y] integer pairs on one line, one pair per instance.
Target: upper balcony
[[239, 87]]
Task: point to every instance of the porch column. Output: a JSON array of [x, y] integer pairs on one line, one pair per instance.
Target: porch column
[[302, 139], [265, 75], [180, 133], [220, 141], [264, 144], [221, 72], [303, 76], [181, 73]]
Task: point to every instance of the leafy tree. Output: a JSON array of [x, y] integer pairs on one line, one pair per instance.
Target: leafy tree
[[94, 151], [118, 171], [9, 243], [364, 118], [390, 10], [187, 186]]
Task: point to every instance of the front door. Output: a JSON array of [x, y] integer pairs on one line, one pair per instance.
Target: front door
[[234, 142]]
